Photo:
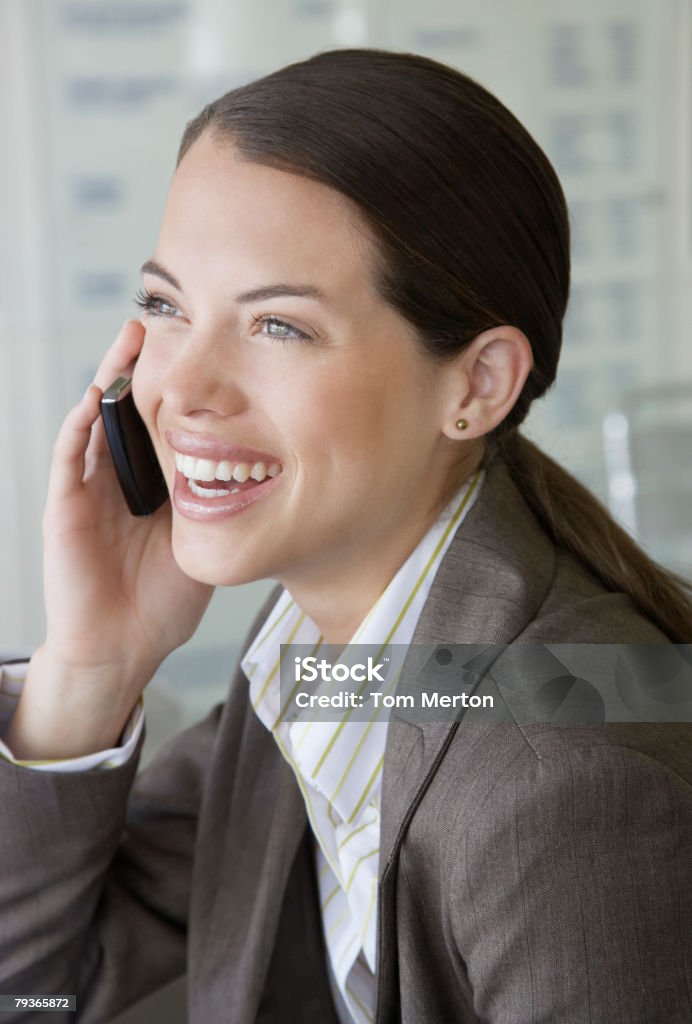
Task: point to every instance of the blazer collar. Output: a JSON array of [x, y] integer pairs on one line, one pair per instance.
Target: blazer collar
[[489, 586], [496, 571]]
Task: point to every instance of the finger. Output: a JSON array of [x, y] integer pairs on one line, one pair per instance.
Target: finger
[[97, 451], [67, 467], [120, 357]]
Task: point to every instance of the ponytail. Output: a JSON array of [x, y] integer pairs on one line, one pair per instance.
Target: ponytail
[[576, 521]]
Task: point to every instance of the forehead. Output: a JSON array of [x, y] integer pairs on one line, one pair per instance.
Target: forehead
[[222, 207]]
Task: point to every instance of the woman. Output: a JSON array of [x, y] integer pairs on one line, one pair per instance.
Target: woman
[[357, 293]]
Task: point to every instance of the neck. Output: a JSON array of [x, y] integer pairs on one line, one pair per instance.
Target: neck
[[338, 597], [338, 617]]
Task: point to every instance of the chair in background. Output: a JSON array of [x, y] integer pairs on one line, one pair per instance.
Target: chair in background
[[648, 456]]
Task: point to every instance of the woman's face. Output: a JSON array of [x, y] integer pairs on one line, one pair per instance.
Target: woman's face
[[268, 351]]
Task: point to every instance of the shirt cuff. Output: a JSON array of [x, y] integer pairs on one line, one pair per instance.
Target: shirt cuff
[[12, 676]]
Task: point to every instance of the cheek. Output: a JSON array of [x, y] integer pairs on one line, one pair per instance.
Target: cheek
[[146, 379], [322, 411], [384, 401], [342, 422]]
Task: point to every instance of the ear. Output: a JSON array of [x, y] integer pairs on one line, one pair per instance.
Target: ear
[[485, 381]]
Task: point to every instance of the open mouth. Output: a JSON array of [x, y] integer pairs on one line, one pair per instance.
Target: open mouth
[[208, 479]]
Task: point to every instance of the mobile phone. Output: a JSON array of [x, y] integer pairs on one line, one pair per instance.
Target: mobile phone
[[134, 458]]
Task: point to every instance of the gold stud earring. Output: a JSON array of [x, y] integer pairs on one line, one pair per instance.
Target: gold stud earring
[[461, 424]]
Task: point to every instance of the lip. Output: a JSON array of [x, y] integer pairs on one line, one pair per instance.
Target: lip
[[211, 510], [206, 446]]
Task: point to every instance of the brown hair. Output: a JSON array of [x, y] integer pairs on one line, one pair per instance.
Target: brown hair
[[473, 233]]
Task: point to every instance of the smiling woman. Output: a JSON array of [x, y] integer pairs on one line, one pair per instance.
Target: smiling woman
[[356, 294], [302, 375]]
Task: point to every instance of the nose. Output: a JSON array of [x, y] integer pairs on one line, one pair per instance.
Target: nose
[[202, 377]]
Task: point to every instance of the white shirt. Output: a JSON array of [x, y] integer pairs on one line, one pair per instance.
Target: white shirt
[[338, 764]]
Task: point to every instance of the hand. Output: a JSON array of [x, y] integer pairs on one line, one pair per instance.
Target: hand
[[116, 601]]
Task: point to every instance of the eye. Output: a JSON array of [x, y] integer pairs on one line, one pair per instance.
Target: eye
[[280, 330], [154, 305]]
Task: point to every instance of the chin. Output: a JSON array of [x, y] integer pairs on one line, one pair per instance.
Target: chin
[[204, 563]]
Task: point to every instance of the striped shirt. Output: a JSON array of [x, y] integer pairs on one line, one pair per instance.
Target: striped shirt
[[338, 764]]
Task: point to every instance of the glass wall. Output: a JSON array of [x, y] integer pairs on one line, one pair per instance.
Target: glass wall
[[95, 96]]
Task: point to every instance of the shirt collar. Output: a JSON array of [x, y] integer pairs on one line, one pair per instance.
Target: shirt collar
[[391, 620]]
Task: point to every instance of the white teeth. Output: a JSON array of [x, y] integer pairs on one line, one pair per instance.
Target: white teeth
[[205, 470], [206, 492]]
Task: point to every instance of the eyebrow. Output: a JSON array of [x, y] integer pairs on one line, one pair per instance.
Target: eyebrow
[[268, 291]]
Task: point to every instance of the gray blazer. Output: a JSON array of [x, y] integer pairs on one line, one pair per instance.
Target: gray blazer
[[532, 872]]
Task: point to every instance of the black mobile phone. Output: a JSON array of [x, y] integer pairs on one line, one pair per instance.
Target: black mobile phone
[[136, 465]]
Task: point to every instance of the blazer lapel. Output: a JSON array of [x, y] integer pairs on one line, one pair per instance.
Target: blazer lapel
[[253, 823], [489, 586]]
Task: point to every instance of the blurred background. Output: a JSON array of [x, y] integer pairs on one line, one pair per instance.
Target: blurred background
[[94, 97]]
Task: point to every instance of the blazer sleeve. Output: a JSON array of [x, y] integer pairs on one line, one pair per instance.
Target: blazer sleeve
[[97, 872], [572, 891], [95, 880]]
